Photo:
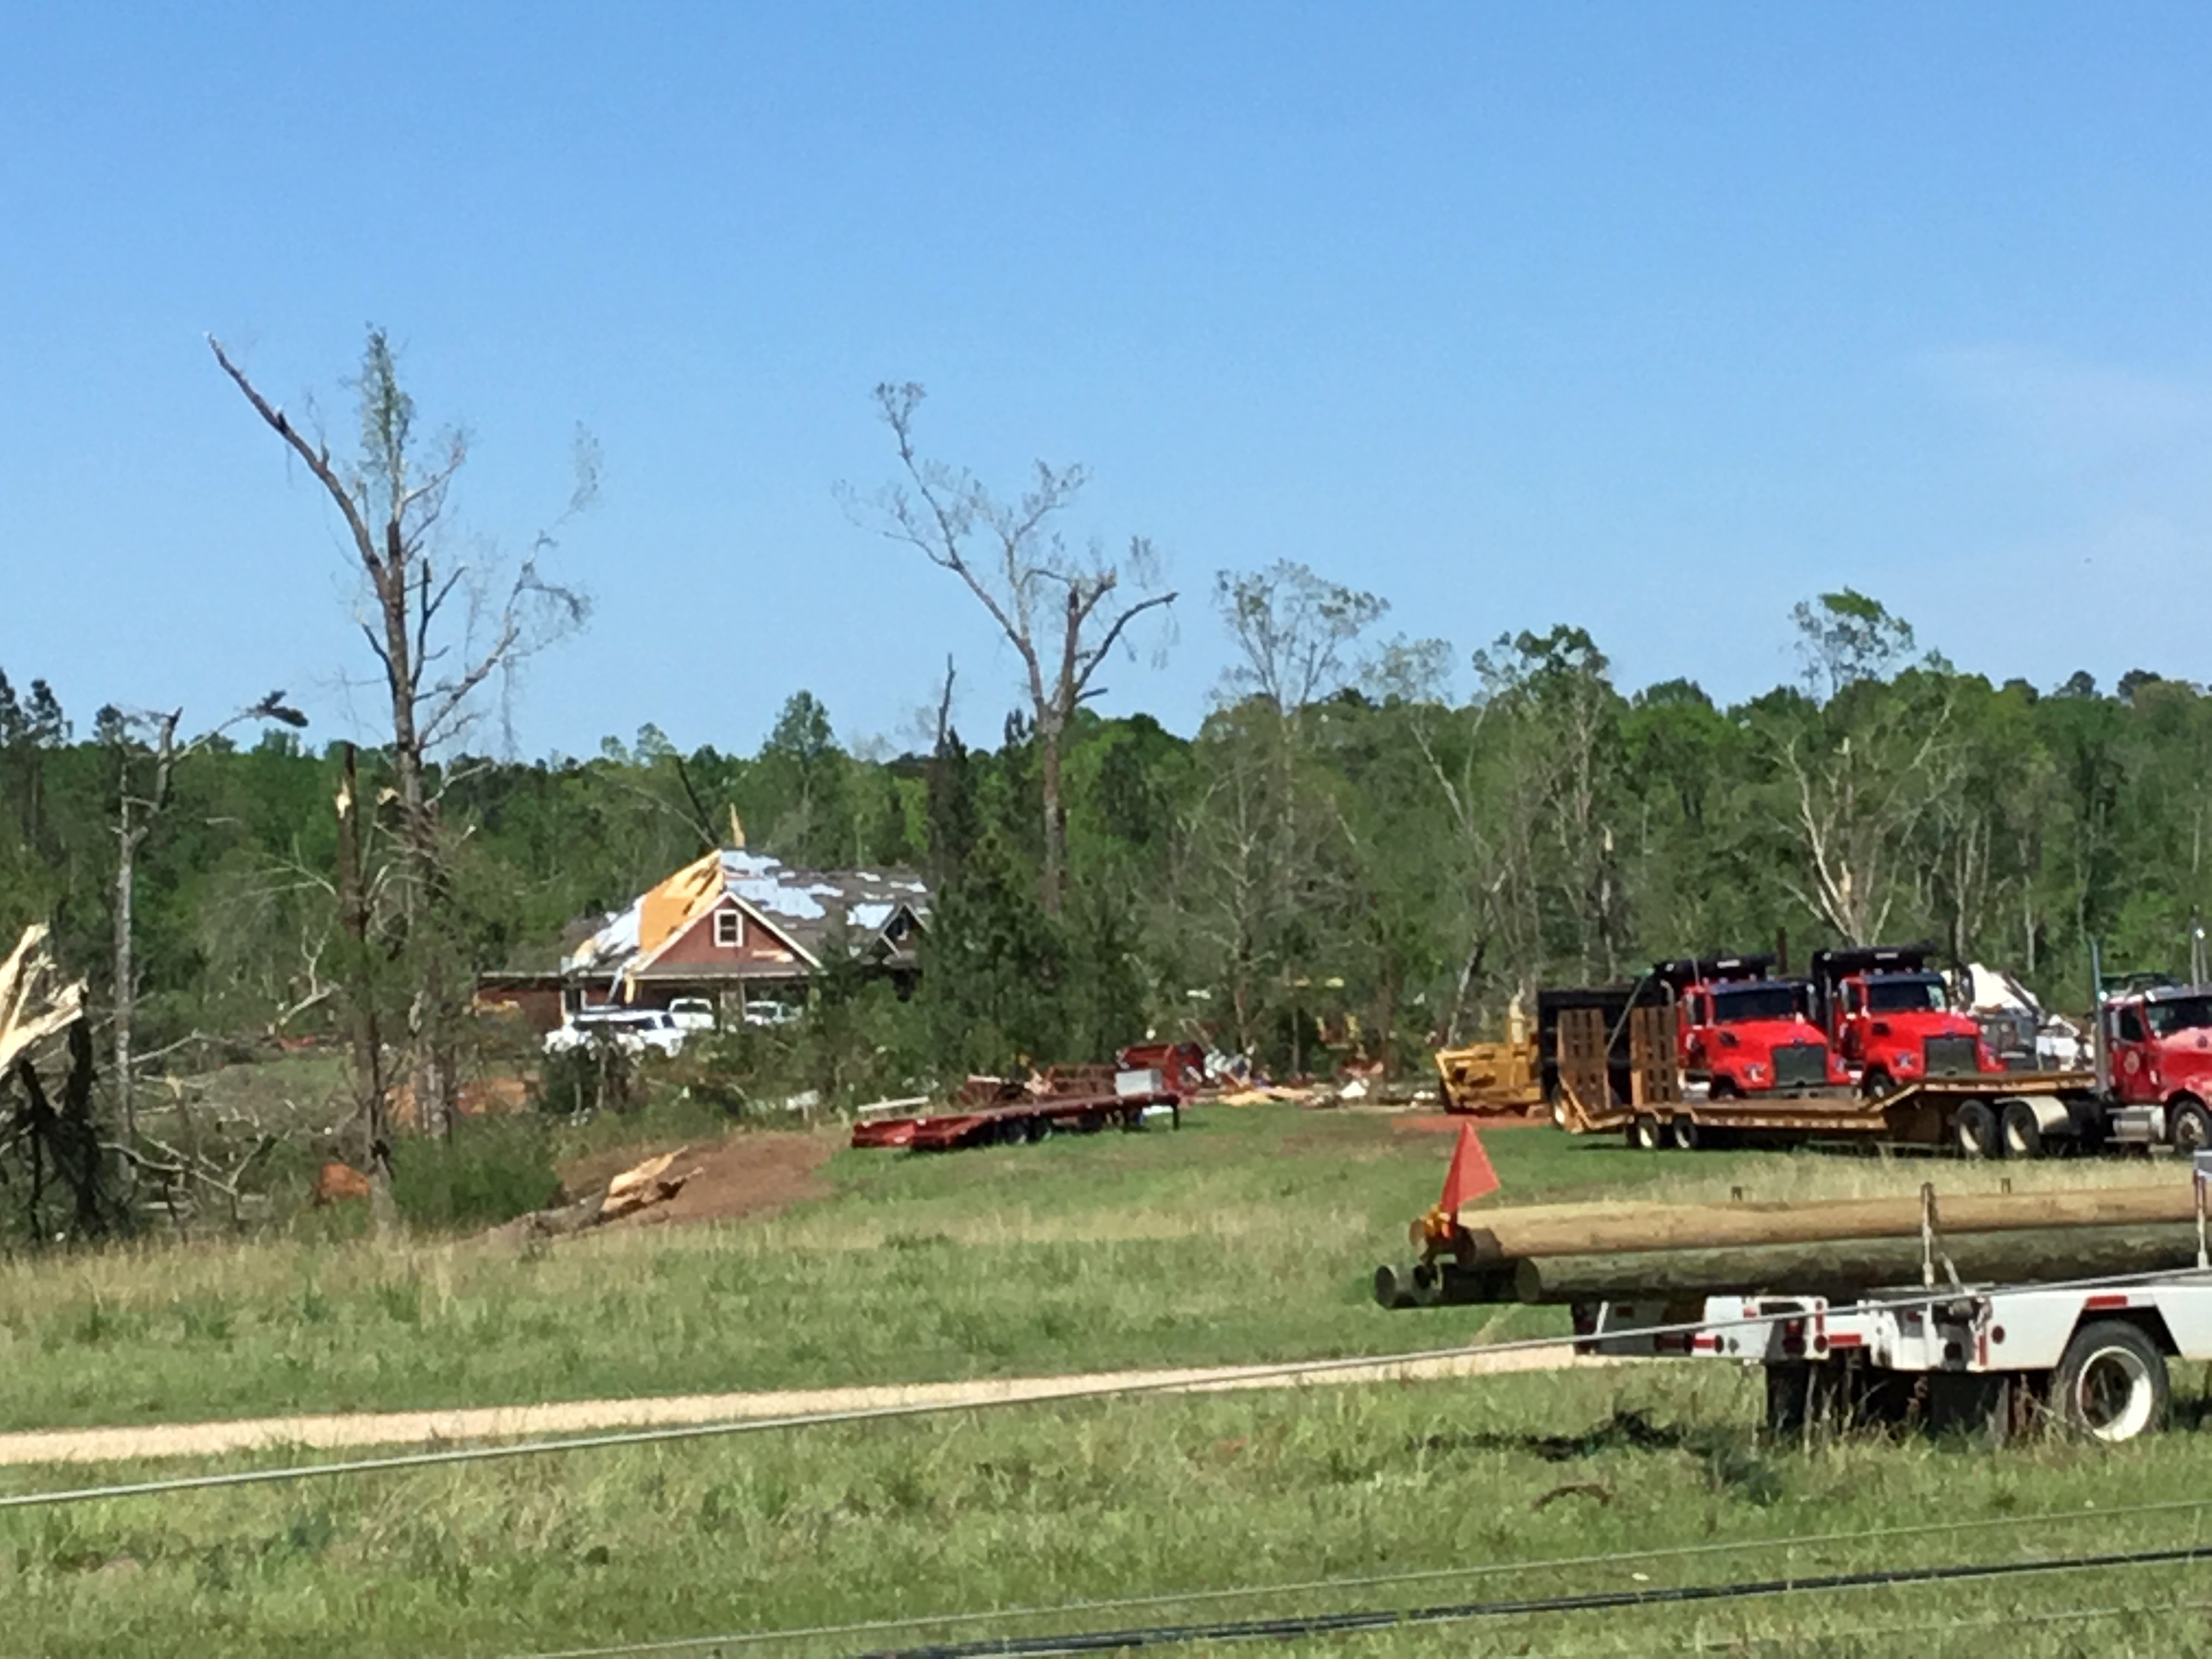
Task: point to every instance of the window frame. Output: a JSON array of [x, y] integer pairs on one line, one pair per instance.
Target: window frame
[[730, 920]]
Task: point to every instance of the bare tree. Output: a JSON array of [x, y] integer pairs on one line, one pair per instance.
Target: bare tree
[[1859, 802], [433, 657], [1293, 629], [138, 806], [1063, 612]]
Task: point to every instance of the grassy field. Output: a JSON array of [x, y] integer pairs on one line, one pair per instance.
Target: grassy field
[[1248, 1235], [1472, 1487]]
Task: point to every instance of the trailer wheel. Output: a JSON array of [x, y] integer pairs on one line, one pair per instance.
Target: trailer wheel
[[2022, 1129], [1974, 1130], [2190, 1126], [1646, 1135], [1684, 1129], [2111, 1384]]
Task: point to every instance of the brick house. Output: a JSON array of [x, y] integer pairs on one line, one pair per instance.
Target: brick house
[[740, 927]]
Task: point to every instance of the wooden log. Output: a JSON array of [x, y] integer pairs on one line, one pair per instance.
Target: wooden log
[[2051, 1255], [1623, 1229]]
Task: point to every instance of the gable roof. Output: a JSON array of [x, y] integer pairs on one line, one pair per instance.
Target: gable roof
[[807, 910]]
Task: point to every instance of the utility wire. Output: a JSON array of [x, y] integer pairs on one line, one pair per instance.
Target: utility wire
[[2008, 1620], [1198, 1382], [1478, 1570], [1337, 1624]]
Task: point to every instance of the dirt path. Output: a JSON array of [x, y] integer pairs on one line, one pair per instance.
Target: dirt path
[[358, 1429]]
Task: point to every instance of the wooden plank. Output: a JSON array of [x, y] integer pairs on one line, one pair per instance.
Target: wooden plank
[[1655, 1075]]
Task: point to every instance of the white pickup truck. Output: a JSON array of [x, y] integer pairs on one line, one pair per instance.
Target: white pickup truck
[[635, 1031], [1989, 1359]]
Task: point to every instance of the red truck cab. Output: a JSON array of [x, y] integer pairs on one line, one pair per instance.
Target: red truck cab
[[2161, 1047], [1746, 1033], [1891, 1018]]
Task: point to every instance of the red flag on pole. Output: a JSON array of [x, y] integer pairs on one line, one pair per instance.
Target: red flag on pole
[[1470, 1175]]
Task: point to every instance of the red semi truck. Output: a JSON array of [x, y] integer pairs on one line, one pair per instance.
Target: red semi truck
[[1746, 1032], [1890, 1019], [2157, 1064]]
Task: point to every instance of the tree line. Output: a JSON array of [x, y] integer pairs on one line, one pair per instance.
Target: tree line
[[1347, 859], [1342, 856]]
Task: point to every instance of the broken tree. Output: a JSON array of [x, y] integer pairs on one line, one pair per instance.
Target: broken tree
[[391, 499]]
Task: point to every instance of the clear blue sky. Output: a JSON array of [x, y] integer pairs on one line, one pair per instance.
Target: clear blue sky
[[1656, 318]]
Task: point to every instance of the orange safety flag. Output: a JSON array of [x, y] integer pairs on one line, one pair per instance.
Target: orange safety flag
[[1470, 1175]]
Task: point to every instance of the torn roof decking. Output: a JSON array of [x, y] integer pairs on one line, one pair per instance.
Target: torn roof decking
[[805, 908]]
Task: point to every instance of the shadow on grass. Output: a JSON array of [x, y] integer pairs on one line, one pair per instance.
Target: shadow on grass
[[1730, 1461]]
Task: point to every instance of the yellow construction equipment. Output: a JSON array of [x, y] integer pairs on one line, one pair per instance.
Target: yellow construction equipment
[[1494, 1079]]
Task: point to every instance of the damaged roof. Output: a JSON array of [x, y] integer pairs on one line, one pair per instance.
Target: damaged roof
[[810, 909]]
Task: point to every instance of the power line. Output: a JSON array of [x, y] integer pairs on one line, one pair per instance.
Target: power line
[[1337, 1624], [1199, 1382], [1672, 1551]]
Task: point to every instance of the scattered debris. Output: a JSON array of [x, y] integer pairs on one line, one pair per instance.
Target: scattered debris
[[338, 1183], [643, 1185], [638, 1188]]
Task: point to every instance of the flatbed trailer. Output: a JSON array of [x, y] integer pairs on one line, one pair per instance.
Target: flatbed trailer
[[1981, 1115], [1993, 1360], [1020, 1121]]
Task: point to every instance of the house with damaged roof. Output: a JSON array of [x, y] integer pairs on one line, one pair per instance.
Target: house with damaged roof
[[740, 927]]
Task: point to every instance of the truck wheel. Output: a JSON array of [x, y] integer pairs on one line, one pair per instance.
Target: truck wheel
[[2190, 1126], [1644, 1135], [2022, 1130], [1974, 1130], [2111, 1384], [1684, 1132], [1875, 1083]]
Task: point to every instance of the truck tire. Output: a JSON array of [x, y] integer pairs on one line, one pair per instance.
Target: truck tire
[[1684, 1129], [1974, 1130], [2021, 1129], [2189, 1126], [1644, 1133], [1874, 1082], [2111, 1384]]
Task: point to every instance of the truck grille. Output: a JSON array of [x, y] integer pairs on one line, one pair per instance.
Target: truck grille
[[1951, 1056], [1800, 1064]]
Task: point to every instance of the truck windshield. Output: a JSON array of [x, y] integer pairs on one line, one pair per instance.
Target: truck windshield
[[1918, 995], [1734, 1007], [2181, 1014]]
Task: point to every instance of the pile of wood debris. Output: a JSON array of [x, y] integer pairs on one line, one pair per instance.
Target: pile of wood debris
[[638, 1188]]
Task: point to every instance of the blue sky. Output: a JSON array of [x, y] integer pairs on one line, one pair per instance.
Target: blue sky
[[1653, 318]]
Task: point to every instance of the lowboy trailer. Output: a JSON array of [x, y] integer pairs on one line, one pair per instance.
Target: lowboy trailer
[[1988, 1115]]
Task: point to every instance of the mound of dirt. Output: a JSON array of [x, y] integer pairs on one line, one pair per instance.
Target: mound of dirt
[[750, 1173]]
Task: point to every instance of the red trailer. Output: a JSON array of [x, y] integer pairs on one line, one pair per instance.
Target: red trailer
[[1028, 1118]]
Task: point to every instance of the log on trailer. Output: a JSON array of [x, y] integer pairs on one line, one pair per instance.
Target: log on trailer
[[1844, 1268], [1553, 1230]]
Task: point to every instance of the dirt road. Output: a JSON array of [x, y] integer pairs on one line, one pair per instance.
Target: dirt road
[[358, 1429]]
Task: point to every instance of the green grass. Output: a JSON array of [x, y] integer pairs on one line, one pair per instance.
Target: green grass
[[1250, 1235], [1045, 1507]]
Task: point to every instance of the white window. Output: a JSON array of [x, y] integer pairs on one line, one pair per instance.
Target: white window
[[729, 929]]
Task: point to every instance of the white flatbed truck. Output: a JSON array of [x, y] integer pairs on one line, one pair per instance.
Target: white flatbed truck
[[1988, 1360]]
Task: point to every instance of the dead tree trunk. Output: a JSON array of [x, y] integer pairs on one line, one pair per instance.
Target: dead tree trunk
[[368, 1085]]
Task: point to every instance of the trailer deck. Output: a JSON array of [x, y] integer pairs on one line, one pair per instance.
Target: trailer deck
[[1018, 1121]]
